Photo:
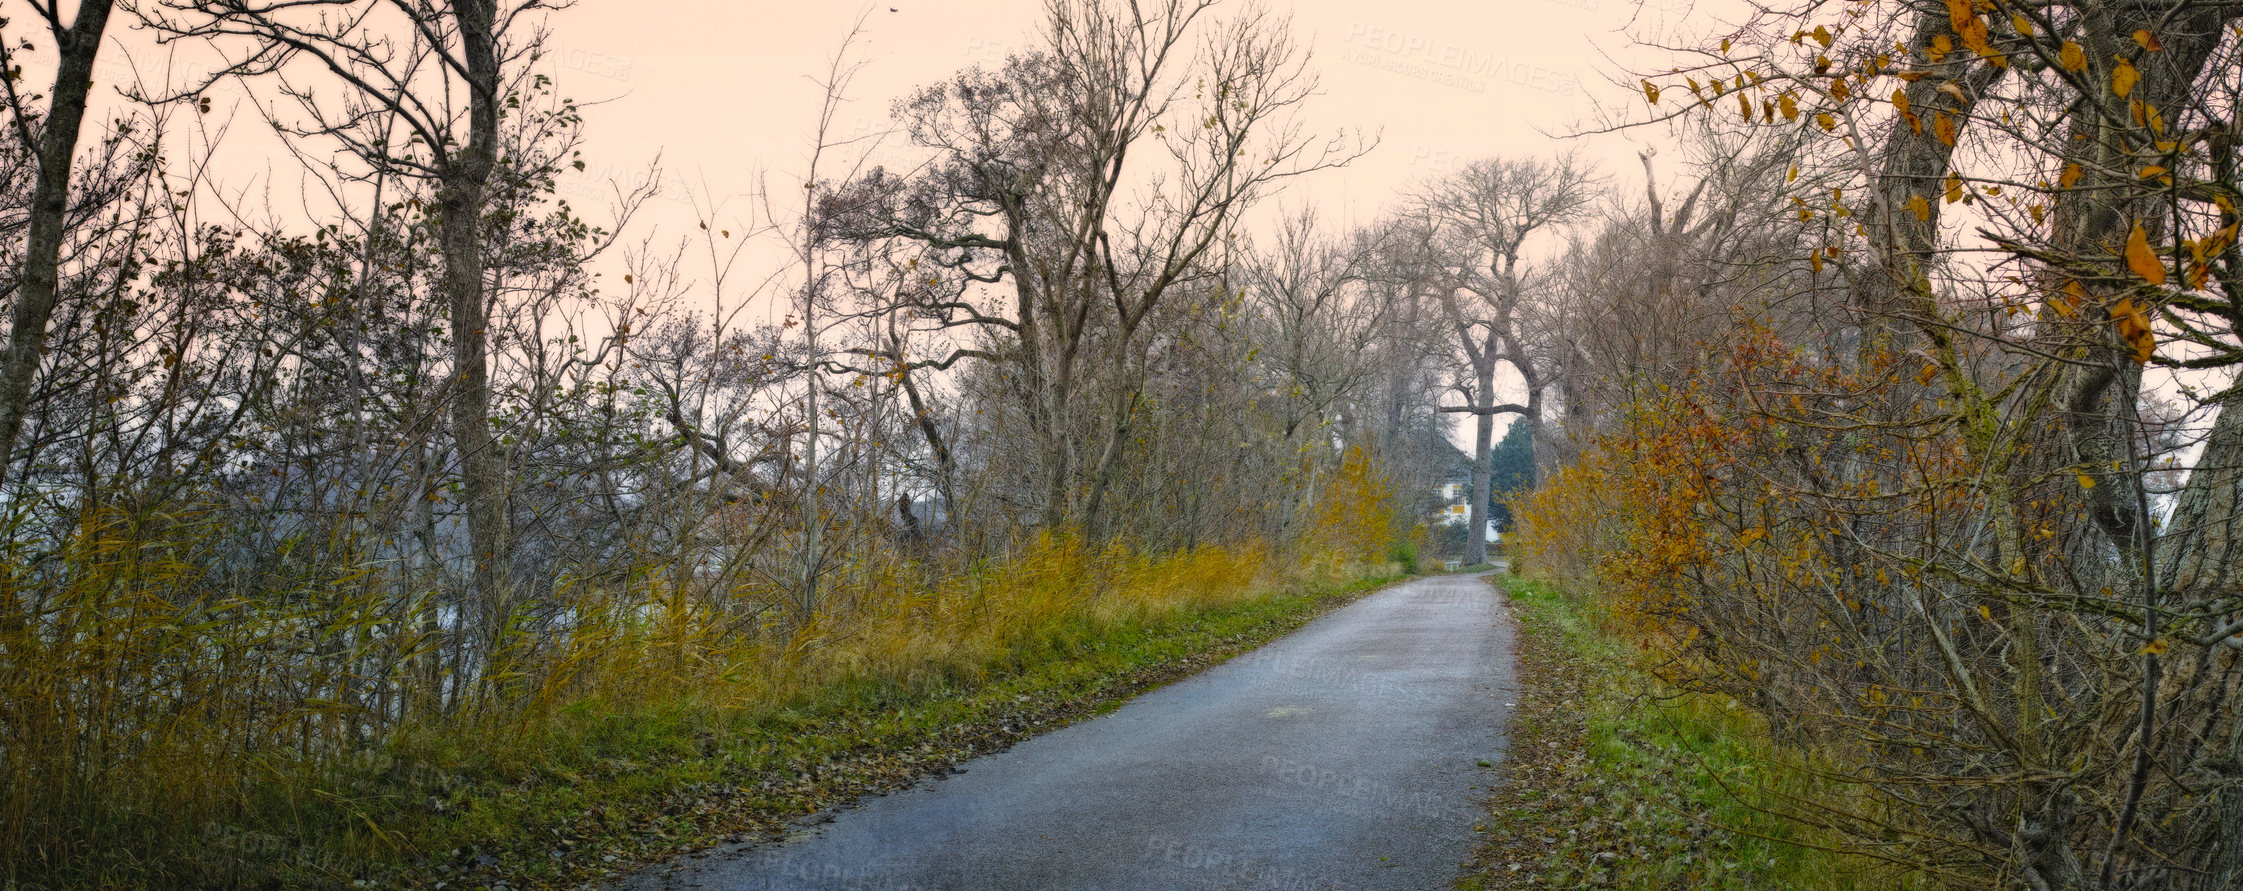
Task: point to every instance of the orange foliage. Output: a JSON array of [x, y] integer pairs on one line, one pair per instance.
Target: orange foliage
[[1356, 516]]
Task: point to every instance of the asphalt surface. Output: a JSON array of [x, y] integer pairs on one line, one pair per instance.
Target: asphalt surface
[[1344, 756]]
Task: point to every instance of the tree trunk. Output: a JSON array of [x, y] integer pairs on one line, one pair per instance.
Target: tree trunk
[[464, 183], [50, 202], [1483, 441], [2201, 551], [946, 465]]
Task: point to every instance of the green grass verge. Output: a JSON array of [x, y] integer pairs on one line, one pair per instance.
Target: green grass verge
[[609, 788], [1618, 781]]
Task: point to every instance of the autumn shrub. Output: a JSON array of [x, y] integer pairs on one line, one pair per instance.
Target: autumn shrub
[[158, 729], [139, 702], [1906, 592], [1357, 512]]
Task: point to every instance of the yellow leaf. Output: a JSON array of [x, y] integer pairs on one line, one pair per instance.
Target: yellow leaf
[[2072, 57], [1961, 16], [1793, 176], [2152, 170], [1985, 613], [2071, 175], [2148, 41], [2134, 325], [1827, 122], [2147, 115], [1651, 92], [1814, 261], [2143, 260], [2123, 78], [1790, 108], [1972, 30], [2085, 481], [1954, 188], [1921, 207], [1839, 91], [2156, 647], [2022, 24], [1944, 127], [1900, 101], [2066, 302], [1822, 36], [1744, 106]]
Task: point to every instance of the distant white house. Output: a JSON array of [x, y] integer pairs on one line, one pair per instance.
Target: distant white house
[[1452, 496], [1456, 507], [1456, 503]]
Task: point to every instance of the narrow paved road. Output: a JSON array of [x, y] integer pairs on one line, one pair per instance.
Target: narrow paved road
[[1344, 756]]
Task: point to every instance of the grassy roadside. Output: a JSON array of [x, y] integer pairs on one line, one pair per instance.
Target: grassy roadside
[[1618, 781], [638, 786]]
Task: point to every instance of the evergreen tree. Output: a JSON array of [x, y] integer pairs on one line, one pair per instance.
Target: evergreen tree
[[1510, 469]]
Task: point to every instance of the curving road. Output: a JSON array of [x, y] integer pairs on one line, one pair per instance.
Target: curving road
[[1344, 756]]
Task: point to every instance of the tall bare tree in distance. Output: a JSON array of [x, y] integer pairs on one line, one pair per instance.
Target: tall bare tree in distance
[[1030, 190], [1475, 225]]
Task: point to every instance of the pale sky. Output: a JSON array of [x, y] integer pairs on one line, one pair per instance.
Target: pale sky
[[722, 89]]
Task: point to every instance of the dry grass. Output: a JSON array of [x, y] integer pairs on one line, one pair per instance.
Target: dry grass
[[156, 730]]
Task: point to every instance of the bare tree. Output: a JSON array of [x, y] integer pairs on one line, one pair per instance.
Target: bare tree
[[1029, 189], [424, 107], [1475, 224], [1318, 325], [51, 140]]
